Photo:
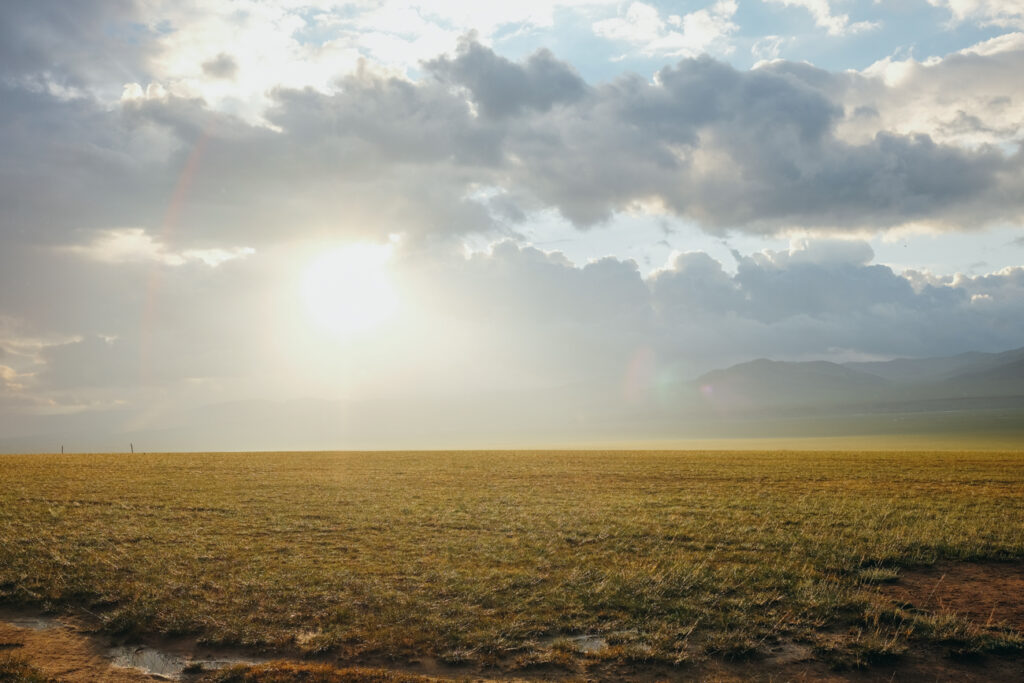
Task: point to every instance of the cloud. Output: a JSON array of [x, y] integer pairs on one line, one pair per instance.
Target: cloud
[[90, 362], [705, 30], [501, 88], [278, 45], [755, 150], [759, 151], [134, 244], [221, 66], [511, 317], [985, 12], [356, 162], [85, 329], [768, 47], [527, 284], [834, 24], [69, 47], [11, 379], [821, 295], [818, 296], [118, 205], [965, 99]]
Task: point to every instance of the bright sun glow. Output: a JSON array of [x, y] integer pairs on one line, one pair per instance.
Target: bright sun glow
[[349, 290]]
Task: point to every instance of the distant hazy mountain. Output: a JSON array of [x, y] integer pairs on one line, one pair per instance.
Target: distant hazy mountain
[[766, 383], [969, 381], [972, 393], [1004, 377], [938, 369]]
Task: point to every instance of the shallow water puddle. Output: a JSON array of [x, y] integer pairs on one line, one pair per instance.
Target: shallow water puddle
[[166, 664], [144, 659], [36, 623], [585, 643], [149, 660], [588, 643]]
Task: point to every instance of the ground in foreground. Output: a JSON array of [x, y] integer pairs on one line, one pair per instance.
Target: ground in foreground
[[533, 564]]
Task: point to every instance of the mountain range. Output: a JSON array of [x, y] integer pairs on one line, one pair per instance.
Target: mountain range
[[968, 380], [967, 396]]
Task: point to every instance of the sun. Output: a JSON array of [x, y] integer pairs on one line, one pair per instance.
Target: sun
[[348, 290]]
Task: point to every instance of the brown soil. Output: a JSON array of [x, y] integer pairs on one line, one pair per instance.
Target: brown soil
[[63, 653], [70, 654], [988, 594]]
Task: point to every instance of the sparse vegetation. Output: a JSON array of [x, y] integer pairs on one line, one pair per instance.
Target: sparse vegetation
[[288, 672], [486, 558], [17, 669]]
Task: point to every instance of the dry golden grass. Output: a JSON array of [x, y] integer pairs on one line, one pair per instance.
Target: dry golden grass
[[285, 672], [488, 557], [15, 669]]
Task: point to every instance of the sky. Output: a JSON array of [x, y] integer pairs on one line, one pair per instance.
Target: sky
[[555, 208]]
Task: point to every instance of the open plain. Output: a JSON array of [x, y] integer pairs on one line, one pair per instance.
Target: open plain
[[557, 565]]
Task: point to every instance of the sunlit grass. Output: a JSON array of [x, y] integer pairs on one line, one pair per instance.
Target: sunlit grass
[[486, 557], [16, 669]]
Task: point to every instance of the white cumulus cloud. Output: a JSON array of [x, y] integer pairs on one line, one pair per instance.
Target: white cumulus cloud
[[704, 30], [985, 12], [835, 24]]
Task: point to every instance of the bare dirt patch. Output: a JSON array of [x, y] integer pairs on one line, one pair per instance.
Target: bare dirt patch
[[61, 652], [61, 648], [988, 594]]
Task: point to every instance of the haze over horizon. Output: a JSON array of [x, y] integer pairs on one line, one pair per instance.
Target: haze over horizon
[[429, 218]]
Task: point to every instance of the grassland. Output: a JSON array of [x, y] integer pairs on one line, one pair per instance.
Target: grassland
[[502, 557]]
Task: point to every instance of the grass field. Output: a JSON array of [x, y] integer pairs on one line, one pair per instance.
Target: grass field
[[504, 557]]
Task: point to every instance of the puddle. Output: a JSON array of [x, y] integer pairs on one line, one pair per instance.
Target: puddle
[[149, 660], [583, 643], [588, 643], [165, 664], [34, 622]]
